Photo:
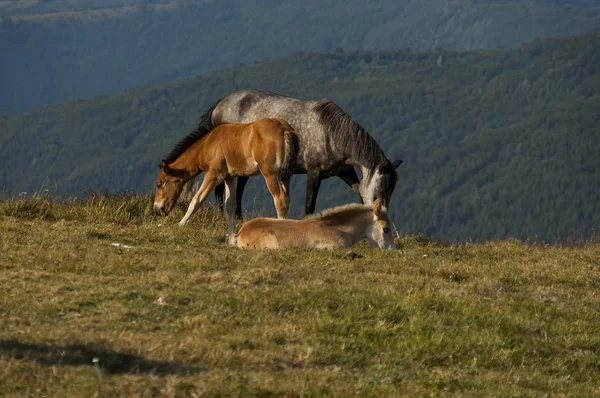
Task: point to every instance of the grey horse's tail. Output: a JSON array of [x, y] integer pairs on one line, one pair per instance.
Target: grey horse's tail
[[190, 187], [291, 155]]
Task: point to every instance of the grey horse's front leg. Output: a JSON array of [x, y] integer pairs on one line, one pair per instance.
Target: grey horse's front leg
[[349, 176]]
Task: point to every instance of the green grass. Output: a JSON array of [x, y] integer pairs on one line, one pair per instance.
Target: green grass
[[182, 314]]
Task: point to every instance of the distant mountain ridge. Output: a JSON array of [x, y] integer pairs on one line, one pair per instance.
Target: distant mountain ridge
[[495, 143], [45, 61]]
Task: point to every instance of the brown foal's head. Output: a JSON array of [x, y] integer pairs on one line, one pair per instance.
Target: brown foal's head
[[169, 185]]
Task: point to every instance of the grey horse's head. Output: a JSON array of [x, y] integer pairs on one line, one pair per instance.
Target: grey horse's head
[[379, 183]]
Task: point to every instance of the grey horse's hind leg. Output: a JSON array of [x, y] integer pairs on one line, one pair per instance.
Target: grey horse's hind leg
[[350, 177], [313, 182], [220, 191]]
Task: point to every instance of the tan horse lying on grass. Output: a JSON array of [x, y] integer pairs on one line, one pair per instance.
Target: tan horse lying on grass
[[334, 228], [267, 146]]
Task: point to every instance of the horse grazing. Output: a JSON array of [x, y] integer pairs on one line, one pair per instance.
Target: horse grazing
[[267, 146], [334, 228], [331, 143]]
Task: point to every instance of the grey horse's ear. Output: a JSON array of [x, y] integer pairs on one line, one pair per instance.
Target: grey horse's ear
[[389, 167], [164, 166]]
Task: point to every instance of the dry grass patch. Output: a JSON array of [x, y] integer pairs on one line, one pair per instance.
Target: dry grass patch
[[179, 313]]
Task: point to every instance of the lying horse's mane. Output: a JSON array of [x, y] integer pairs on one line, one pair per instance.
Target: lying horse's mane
[[348, 134], [340, 211], [204, 127]]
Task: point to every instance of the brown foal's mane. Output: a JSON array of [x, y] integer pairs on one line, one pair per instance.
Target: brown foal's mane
[[204, 127]]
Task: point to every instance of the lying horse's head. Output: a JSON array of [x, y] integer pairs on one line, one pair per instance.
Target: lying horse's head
[[379, 184], [169, 185], [379, 233]]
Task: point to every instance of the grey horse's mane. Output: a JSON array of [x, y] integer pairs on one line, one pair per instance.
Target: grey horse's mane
[[204, 127], [349, 135], [355, 141]]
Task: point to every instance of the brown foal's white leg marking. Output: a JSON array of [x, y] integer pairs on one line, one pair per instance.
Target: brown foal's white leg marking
[[230, 202], [284, 198], [206, 188], [275, 190]]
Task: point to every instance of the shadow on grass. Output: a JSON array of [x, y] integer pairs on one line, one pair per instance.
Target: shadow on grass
[[92, 355]]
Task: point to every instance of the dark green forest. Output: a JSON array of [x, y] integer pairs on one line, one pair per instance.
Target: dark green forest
[[495, 143], [58, 59]]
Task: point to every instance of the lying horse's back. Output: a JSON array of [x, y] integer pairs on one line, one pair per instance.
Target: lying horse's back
[[258, 233], [270, 233]]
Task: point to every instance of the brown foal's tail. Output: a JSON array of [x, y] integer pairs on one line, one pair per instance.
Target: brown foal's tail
[[291, 155]]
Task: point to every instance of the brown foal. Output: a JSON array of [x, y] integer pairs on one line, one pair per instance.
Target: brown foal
[[268, 147]]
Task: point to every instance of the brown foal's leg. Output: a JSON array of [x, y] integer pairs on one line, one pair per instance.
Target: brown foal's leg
[[275, 188], [284, 201], [285, 196], [210, 180], [230, 202]]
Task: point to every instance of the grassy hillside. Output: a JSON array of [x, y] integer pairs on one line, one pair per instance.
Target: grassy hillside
[[495, 143], [178, 313], [97, 48]]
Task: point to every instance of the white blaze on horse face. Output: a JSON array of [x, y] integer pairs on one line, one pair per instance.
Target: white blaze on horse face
[[369, 183], [159, 206]]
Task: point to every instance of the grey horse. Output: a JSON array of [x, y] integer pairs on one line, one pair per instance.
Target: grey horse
[[331, 143]]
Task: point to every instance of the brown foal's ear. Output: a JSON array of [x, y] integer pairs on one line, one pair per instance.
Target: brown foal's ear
[[377, 208], [164, 166]]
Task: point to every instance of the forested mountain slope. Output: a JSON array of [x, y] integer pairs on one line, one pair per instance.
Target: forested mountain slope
[[111, 45], [495, 143]]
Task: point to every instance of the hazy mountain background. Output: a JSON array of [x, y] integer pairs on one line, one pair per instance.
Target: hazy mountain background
[[61, 50], [496, 143]]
